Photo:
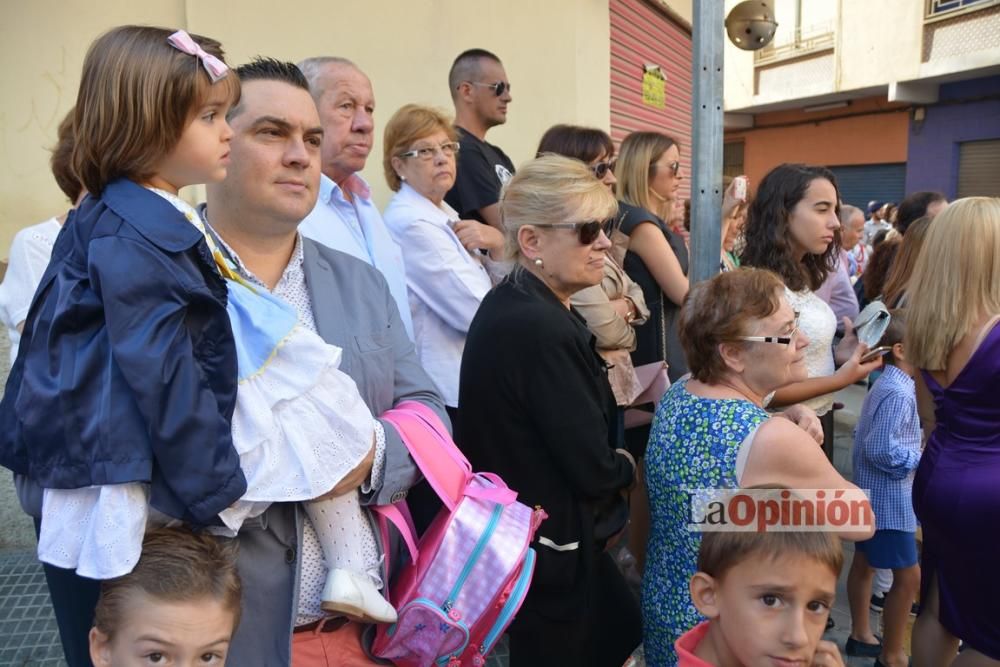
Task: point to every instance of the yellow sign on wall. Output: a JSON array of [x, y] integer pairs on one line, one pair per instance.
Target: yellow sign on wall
[[654, 86]]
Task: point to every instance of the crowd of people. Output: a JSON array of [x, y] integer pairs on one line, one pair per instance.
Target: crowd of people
[[194, 414]]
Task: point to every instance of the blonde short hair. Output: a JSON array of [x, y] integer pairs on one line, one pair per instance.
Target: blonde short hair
[[552, 189], [636, 157], [137, 95], [410, 123], [956, 280]]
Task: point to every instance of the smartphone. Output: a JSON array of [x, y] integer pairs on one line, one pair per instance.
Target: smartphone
[[740, 188], [875, 353]]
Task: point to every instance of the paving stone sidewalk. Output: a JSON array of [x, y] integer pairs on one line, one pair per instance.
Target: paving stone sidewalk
[[28, 635]]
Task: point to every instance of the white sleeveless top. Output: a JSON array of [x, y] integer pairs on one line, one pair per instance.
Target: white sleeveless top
[[817, 321]]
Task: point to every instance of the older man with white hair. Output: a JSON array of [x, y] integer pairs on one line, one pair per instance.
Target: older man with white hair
[[345, 218]]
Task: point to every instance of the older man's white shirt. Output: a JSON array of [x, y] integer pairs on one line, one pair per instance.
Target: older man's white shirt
[[355, 227]]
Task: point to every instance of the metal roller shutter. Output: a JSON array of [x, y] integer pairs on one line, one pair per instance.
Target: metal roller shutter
[[641, 35], [862, 183], [979, 168]]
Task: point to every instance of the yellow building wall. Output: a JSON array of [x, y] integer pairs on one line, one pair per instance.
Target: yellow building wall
[[42, 45], [556, 53]]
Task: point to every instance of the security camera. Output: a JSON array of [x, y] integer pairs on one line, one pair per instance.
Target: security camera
[[751, 25]]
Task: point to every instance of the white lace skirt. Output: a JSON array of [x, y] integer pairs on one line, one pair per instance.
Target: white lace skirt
[[300, 426]]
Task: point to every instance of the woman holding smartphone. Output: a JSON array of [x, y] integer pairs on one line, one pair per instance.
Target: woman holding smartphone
[[792, 229]]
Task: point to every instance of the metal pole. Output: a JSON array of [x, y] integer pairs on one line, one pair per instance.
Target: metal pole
[[706, 151]]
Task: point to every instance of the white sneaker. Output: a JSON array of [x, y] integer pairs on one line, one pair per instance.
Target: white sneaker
[[355, 595]]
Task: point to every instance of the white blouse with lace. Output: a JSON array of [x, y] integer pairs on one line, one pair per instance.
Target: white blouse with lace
[[817, 321]]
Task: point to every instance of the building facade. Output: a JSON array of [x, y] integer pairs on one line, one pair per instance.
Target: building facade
[[559, 55], [893, 96]]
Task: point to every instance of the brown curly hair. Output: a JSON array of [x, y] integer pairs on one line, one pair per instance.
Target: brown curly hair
[[766, 236]]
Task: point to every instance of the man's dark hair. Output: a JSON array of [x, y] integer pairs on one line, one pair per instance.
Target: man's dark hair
[[268, 69], [272, 69], [914, 207], [466, 67]]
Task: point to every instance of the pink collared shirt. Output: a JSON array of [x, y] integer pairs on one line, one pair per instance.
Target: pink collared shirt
[[688, 643]]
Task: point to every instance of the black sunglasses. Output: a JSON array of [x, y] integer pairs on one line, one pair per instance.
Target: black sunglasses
[[499, 88], [588, 231], [601, 169]]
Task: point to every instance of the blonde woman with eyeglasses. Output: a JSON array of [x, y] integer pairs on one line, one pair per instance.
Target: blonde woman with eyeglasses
[[450, 263]]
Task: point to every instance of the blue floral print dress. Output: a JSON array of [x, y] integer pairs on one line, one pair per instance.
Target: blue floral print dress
[[693, 444]]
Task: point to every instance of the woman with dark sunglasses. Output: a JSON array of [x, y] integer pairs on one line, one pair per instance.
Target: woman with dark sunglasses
[[649, 177], [536, 408], [613, 309]]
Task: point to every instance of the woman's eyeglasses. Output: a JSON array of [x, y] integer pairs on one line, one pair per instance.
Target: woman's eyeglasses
[[587, 231], [499, 88], [427, 153], [780, 340], [601, 169]]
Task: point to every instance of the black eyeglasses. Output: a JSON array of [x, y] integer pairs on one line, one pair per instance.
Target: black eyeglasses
[[601, 169], [588, 231], [499, 88]]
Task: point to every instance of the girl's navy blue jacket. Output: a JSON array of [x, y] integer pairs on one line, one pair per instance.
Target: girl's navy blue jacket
[[127, 369]]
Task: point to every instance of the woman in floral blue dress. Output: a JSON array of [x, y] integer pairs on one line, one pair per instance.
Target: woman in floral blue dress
[[742, 342]]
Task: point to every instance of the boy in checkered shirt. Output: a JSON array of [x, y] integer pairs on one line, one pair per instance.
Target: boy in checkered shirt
[[886, 453]]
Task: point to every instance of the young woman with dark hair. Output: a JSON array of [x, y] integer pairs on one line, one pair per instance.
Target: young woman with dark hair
[[791, 229]]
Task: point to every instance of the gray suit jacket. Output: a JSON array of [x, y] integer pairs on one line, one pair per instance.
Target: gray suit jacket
[[354, 310]]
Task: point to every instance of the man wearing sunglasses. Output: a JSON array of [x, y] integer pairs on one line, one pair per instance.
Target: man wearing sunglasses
[[481, 93]]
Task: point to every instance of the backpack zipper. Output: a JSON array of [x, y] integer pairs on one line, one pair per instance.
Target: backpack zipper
[[513, 602]]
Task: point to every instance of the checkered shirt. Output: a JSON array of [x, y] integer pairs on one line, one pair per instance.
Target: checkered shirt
[[887, 449]]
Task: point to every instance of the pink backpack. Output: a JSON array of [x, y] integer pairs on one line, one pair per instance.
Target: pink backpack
[[471, 570]]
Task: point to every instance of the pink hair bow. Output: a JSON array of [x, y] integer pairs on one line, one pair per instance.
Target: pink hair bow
[[182, 41]]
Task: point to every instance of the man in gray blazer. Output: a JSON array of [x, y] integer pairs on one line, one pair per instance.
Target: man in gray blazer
[[272, 184]]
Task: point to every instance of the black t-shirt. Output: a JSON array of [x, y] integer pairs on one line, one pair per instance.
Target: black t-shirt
[[482, 169]]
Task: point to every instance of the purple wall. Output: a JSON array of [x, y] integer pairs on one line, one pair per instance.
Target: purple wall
[[962, 114]]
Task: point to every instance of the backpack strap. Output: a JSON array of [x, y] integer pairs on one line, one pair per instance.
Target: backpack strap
[[426, 438], [403, 521], [447, 470]]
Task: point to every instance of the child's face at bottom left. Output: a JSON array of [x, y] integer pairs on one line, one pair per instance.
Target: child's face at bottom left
[[168, 634], [766, 612]]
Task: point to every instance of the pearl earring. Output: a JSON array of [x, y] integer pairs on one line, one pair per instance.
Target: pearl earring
[[402, 178], [538, 262]]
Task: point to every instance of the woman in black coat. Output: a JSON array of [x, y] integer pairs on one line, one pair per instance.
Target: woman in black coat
[[537, 409]]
